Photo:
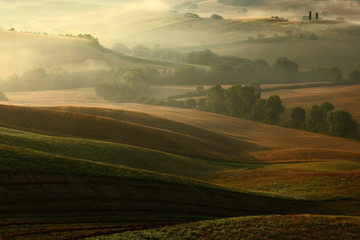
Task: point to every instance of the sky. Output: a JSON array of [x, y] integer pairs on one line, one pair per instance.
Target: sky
[[112, 19]]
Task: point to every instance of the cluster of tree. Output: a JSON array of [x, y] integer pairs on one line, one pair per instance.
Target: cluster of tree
[[234, 70], [216, 17], [204, 57], [55, 79], [324, 119], [242, 102], [169, 102], [131, 85], [237, 101], [86, 36]]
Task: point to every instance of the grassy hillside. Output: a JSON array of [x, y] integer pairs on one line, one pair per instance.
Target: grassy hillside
[[112, 153], [328, 179], [262, 227], [74, 187], [316, 181], [102, 128], [45, 194]]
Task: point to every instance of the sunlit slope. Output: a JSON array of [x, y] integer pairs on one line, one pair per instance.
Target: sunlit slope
[[272, 137], [151, 120], [101, 128], [261, 227], [112, 153], [24, 51], [312, 180], [338, 180], [345, 97]]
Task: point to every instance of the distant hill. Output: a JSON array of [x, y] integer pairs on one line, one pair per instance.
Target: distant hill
[[311, 45], [24, 51]]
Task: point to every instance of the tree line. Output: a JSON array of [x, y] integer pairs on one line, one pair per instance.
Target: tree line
[[235, 70], [325, 119]]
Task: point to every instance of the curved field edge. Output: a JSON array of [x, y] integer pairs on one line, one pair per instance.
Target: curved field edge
[[266, 156], [306, 155], [267, 136], [259, 227], [101, 128], [113, 153], [311, 180]]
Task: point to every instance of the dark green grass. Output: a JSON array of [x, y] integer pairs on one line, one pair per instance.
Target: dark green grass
[[64, 197], [112, 153]]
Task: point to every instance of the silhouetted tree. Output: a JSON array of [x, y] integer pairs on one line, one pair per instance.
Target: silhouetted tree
[[341, 124], [216, 17], [190, 103], [354, 76], [258, 110], [298, 117], [215, 99], [273, 110]]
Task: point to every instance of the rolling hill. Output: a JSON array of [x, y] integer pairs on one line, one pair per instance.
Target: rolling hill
[[25, 51], [45, 194], [272, 39], [102, 128], [79, 186]]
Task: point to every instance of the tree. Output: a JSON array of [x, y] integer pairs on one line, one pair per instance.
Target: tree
[[202, 104], [285, 70], [190, 103], [314, 119], [205, 57], [341, 124], [258, 110], [119, 47], [216, 17], [239, 100], [107, 90], [273, 108], [332, 74], [354, 76], [215, 99], [284, 65], [325, 107], [298, 117]]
